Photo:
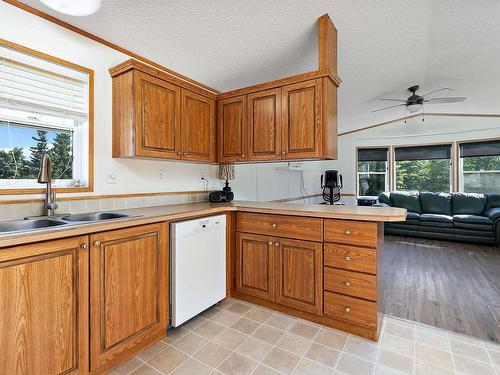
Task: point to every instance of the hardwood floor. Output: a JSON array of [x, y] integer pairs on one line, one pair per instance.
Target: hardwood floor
[[450, 285]]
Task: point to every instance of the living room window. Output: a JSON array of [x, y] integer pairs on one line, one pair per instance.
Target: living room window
[[480, 167], [423, 168], [372, 171], [44, 109]]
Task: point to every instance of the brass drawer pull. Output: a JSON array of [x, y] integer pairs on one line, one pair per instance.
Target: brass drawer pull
[[270, 242], [347, 283], [274, 225], [83, 246], [347, 309], [277, 244], [347, 232], [97, 243], [347, 259]]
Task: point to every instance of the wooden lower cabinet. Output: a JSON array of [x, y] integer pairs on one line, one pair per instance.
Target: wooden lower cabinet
[[255, 264], [299, 275], [44, 308], [128, 291]]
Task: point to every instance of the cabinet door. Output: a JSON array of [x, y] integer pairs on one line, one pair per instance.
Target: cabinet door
[[233, 132], [299, 275], [255, 265], [264, 124], [128, 290], [198, 127], [302, 120], [43, 305], [158, 107]]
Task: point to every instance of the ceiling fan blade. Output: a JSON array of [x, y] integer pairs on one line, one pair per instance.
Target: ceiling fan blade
[[392, 106], [457, 99], [432, 92], [395, 100]]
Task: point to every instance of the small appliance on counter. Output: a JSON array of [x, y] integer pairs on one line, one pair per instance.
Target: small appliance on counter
[[226, 172], [331, 183]]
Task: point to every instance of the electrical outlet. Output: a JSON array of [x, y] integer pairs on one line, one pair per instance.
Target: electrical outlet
[[112, 177], [162, 176]]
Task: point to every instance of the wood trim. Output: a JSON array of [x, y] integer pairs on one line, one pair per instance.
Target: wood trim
[[485, 115], [281, 82], [327, 44], [97, 39], [90, 73], [133, 64], [104, 196]]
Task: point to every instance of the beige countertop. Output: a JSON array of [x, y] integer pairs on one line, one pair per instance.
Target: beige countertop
[[183, 211]]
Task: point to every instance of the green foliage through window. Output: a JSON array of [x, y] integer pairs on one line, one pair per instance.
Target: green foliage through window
[[423, 175]]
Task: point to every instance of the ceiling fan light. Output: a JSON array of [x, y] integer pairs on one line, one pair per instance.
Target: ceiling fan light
[[412, 108], [74, 7]]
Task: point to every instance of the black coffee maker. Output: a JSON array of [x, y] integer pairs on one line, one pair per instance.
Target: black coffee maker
[[331, 183]]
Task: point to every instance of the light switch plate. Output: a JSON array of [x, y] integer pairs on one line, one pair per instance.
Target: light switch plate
[[161, 176]]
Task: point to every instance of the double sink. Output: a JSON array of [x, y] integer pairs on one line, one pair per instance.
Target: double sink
[[31, 224]]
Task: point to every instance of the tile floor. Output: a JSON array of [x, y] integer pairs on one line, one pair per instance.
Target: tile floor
[[237, 337]]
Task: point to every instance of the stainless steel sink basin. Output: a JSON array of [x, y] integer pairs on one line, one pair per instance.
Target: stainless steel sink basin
[[24, 225], [98, 216]]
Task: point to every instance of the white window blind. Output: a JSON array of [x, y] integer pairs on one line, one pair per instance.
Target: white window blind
[[30, 88]]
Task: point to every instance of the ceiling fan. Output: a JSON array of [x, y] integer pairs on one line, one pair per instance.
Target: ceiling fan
[[415, 102]]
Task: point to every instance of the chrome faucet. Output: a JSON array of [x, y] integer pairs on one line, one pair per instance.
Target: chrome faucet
[[45, 177]]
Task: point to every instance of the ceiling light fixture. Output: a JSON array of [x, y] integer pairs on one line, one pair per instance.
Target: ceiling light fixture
[[74, 7], [412, 108]]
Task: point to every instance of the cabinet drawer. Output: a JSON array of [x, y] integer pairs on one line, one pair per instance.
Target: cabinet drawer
[[351, 232], [351, 258], [351, 309], [351, 283], [302, 228]]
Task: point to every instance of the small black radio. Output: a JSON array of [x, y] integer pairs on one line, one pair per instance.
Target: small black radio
[[221, 196]]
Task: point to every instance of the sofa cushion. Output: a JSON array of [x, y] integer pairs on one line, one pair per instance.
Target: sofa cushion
[[408, 200], [436, 220], [468, 203], [412, 216], [492, 200], [385, 197], [474, 222], [435, 203]]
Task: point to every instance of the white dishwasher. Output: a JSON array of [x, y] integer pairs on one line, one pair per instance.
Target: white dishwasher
[[198, 266]]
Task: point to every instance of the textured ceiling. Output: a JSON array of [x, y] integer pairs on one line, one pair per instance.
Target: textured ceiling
[[384, 46]]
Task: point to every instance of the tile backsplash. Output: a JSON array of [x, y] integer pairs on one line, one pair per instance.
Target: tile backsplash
[[21, 210]]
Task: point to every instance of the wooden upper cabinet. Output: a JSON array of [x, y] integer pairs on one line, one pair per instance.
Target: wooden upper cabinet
[[44, 305], [157, 117], [198, 127], [255, 265], [232, 129], [264, 125], [299, 282], [302, 120], [128, 291]]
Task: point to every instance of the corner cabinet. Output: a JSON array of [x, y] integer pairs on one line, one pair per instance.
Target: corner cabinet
[[128, 291], [156, 115], [44, 308]]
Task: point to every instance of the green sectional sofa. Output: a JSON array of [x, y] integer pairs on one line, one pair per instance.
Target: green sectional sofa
[[466, 217]]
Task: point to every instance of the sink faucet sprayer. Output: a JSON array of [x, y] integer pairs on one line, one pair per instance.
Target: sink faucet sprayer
[[45, 177]]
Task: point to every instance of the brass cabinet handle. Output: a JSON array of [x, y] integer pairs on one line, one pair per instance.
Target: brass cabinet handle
[[347, 259], [83, 246], [97, 243], [270, 242], [277, 154], [243, 155], [179, 153], [347, 283], [347, 232], [277, 244], [347, 309], [283, 153], [274, 225]]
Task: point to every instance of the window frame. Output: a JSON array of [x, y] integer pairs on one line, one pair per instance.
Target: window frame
[[90, 72], [387, 170]]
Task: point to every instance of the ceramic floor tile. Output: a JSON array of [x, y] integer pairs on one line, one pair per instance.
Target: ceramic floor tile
[[128, 366], [281, 360], [264, 370], [225, 318], [210, 312], [168, 359], [432, 355], [397, 344], [194, 323], [353, 366], [239, 308], [323, 354], [399, 330], [304, 330], [209, 329], [293, 343], [230, 338], [145, 369], [432, 338], [268, 334], [152, 350], [174, 334], [254, 349], [495, 357], [280, 322], [472, 367], [192, 367], [245, 326], [331, 338], [236, 364], [425, 368], [382, 370], [212, 354], [306, 367], [362, 348], [395, 361], [258, 314], [190, 343], [470, 351]]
